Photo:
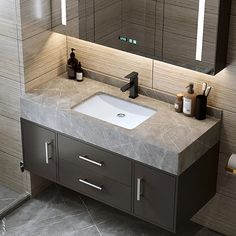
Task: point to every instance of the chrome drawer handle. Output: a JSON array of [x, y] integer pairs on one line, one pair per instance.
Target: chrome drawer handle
[[91, 161], [47, 156], [139, 191], [90, 184]]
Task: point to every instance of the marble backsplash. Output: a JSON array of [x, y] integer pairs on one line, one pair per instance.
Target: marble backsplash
[[146, 91]]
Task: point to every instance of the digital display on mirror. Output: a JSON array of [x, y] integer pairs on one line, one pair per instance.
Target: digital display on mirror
[[128, 40], [123, 38]]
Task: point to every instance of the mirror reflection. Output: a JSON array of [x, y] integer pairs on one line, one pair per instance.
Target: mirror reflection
[[181, 32]]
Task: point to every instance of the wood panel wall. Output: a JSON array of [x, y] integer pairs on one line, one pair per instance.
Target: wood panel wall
[[43, 52], [30, 54], [43, 57], [10, 138]]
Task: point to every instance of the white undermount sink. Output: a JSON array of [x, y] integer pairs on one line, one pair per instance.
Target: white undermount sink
[[114, 110]]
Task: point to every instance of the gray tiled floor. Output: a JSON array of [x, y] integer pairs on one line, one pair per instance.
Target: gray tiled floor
[[59, 211], [7, 196]]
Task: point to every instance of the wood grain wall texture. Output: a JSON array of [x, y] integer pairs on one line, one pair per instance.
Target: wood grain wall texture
[[43, 52], [43, 57], [10, 137], [173, 79], [30, 55]]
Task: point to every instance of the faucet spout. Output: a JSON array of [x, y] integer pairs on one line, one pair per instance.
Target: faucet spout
[[126, 87], [132, 85]]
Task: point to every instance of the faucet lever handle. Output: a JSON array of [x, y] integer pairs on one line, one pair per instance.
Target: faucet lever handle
[[132, 75]]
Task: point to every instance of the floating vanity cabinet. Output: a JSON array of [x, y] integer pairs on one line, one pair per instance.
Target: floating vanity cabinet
[[154, 198], [151, 194], [95, 172], [39, 150]]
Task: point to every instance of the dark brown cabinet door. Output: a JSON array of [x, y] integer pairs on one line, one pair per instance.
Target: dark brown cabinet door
[[154, 197], [39, 150]]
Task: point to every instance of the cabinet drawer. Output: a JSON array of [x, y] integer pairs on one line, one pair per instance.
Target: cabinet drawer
[[95, 159], [97, 186]]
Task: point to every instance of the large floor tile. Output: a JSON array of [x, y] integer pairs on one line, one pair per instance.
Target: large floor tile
[[90, 231], [106, 213], [62, 212], [7, 197], [50, 207], [65, 226], [134, 227], [4, 203], [6, 193]]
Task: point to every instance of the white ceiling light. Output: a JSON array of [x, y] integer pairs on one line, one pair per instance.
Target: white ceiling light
[[200, 29], [63, 12]]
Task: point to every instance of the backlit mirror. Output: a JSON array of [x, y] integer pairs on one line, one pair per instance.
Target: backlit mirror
[[187, 33]]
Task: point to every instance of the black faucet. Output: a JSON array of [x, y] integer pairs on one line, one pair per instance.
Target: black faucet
[[132, 85]]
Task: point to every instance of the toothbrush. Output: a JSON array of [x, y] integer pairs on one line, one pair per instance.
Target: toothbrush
[[204, 87], [208, 90]]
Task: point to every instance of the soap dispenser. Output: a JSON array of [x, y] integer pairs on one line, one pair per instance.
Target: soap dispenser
[[72, 65], [79, 73], [189, 101]]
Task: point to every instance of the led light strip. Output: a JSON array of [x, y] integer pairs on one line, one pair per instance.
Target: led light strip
[[38, 9], [63, 12], [200, 29]]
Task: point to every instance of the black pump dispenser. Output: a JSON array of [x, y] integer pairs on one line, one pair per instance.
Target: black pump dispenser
[[190, 88], [72, 54], [72, 65]]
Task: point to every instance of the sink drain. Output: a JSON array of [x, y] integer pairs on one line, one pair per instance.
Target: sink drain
[[121, 115]]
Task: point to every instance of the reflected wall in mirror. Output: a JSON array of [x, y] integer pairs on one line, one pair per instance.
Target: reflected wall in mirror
[[187, 33]]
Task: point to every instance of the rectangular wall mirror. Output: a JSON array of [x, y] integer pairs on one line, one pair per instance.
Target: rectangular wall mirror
[[188, 33]]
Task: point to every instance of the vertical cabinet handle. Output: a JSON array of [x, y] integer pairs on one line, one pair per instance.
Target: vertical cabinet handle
[[47, 155], [139, 190]]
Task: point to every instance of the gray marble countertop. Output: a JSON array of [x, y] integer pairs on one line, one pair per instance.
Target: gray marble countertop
[[168, 140]]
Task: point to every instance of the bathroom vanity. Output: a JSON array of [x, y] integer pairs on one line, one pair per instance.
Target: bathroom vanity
[[163, 171]]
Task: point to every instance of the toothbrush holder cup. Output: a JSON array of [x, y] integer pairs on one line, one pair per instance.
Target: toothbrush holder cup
[[201, 107]]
